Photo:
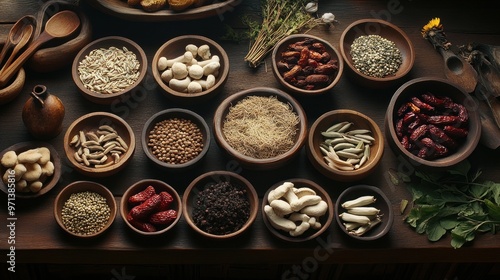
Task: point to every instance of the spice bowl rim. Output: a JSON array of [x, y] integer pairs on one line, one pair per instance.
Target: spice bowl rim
[[54, 157], [159, 185], [83, 121], [382, 202], [188, 198], [109, 41], [182, 97], [327, 218], [250, 162], [298, 91], [13, 88], [445, 88], [184, 113], [316, 157], [408, 52], [80, 186]]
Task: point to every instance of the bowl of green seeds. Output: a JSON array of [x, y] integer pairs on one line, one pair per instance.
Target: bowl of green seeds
[[378, 53], [85, 209]]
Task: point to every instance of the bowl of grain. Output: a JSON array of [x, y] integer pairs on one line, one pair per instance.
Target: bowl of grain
[[220, 204], [261, 128], [175, 139], [85, 209], [99, 144], [109, 68], [366, 39]]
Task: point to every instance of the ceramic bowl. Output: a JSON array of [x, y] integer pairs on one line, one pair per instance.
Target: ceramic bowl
[[440, 88], [252, 162], [176, 47], [387, 30], [91, 123], [182, 114], [84, 186], [283, 63], [105, 43], [205, 180], [159, 186], [49, 182], [381, 202], [359, 121], [14, 88], [311, 233]]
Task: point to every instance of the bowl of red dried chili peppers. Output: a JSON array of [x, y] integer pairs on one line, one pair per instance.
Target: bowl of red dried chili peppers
[[306, 65], [151, 207], [432, 122]]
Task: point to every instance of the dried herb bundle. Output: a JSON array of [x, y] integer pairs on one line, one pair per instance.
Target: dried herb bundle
[[261, 127]]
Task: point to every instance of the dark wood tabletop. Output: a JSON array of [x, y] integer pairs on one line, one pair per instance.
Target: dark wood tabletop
[[40, 240]]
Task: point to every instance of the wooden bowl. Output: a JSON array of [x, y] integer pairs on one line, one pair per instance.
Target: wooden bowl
[[180, 114], [83, 186], [251, 162], [106, 43], [58, 54], [214, 177], [91, 123], [438, 87], [359, 121], [176, 47], [159, 186], [381, 202], [311, 233], [12, 90], [284, 45], [387, 30], [49, 183]]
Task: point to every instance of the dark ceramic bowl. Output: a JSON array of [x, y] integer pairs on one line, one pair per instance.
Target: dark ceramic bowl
[[83, 186], [388, 31], [325, 220], [438, 87], [106, 43], [213, 177], [180, 114], [381, 202], [360, 121], [91, 123], [159, 186], [283, 46], [251, 162], [176, 47], [14, 88], [49, 182]]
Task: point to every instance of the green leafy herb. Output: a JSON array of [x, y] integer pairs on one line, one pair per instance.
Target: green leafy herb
[[453, 201]]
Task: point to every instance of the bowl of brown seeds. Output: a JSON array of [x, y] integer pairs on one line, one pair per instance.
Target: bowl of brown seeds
[[99, 144], [261, 128], [108, 68], [85, 209], [175, 138]]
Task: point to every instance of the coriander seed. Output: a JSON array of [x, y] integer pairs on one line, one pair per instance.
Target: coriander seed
[[375, 56], [85, 213]]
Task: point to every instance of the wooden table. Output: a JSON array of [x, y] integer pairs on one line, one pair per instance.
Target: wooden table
[[40, 240]]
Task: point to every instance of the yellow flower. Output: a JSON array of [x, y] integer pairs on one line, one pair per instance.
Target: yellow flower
[[433, 24]]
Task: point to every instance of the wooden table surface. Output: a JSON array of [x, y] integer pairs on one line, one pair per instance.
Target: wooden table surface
[[40, 240]]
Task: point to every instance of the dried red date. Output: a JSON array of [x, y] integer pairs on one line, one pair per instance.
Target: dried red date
[[327, 69], [140, 225], [165, 202], [455, 131], [290, 75], [439, 136], [315, 79], [163, 217], [146, 208], [304, 57], [140, 197]]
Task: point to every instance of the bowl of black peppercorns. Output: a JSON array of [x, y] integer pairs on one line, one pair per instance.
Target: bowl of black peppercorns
[[176, 138], [220, 204]]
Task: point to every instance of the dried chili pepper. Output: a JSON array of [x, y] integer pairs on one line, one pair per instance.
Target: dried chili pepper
[[461, 111], [418, 133], [423, 152], [435, 149], [399, 128], [422, 105], [433, 100], [402, 109], [455, 131], [406, 143], [439, 136], [442, 120], [409, 117]]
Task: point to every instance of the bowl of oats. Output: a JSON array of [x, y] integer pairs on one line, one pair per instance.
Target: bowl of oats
[[108, 68]]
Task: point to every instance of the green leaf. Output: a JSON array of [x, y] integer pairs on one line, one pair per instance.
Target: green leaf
[[449, 223], [457, 241], [493, 210], [461, 168], [495, 191], [434, 230], [478, 191]]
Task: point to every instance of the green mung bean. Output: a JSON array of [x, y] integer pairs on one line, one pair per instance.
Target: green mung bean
[[375, 56]]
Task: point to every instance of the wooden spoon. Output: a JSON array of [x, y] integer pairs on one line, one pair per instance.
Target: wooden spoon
[[459, 71], [60, 25], [26, 36], [15, 34]]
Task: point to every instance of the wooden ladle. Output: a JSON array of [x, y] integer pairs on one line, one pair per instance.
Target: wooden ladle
[[15, 35], [459, 71], [60, 25], [26, 36]]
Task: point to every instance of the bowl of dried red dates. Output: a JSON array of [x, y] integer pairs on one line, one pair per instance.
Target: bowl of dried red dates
[[432, 122], [151, 207], [306, 65]]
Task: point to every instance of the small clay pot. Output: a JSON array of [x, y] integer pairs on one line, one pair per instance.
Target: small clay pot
[[43, 114]]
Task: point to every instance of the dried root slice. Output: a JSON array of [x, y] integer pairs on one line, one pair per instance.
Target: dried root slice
[[153, 5], [180, 5]]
